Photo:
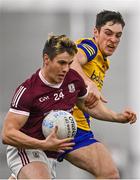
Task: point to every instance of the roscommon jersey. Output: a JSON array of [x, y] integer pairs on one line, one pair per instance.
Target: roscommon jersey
[[95, 69]]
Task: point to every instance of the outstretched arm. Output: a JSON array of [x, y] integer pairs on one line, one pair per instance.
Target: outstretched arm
[[101, 112]]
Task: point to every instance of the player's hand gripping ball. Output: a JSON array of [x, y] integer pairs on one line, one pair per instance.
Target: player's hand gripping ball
[[66, 123]]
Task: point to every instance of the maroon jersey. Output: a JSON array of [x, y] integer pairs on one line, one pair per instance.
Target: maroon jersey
[[36, 98]]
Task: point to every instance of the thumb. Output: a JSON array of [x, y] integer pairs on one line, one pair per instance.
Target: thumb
[[54, 131], [103, 99]]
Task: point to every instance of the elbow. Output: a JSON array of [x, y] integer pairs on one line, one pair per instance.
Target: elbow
[[4, 141], [5, 138]]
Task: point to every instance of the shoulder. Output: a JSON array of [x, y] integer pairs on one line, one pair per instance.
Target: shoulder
[[25, 89], [31, 81], [86, 41], [88, 46], [74, 74]]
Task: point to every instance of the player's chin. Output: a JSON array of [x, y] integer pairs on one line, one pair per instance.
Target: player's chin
[[109, 53], [60, 79]]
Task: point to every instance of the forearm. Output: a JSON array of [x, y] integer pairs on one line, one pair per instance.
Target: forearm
[[101, 112], [77, 67], [18, 139]]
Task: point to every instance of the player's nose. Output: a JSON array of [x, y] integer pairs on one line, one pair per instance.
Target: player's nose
[[66, 68]]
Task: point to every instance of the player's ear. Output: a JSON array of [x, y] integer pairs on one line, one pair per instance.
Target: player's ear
[[46, 58], [95, 31]]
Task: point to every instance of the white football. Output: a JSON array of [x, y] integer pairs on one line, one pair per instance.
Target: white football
[[66, 123]]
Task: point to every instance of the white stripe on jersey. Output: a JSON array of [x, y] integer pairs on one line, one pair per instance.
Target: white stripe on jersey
[[18, 96], [19, 112]]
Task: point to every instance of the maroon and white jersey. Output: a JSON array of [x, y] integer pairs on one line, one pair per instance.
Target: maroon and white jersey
[[35, 98]]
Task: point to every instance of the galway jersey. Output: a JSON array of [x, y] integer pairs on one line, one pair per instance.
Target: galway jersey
[[95, 69], [35, 98]]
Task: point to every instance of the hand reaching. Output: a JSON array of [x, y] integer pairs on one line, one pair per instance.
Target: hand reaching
[[94, 95]]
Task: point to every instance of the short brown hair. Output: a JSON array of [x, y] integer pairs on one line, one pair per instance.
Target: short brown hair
[[59, 44]]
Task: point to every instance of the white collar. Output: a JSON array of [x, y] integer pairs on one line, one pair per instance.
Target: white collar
[[47, 83]]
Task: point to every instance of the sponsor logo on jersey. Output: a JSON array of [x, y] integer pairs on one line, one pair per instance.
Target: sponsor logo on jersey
[[71, 88], [97, 78], [44, 98]]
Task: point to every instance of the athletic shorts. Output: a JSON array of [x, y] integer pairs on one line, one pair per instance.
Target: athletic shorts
[[18, 158], [81, 139]]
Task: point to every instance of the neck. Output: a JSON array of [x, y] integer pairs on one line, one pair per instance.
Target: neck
[[44, 73], [47, 81]]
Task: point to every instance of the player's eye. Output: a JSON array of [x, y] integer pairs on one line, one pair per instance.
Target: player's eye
[[108, 33], [118, 35], [62, 62]]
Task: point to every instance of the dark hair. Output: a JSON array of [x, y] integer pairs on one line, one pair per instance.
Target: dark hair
[[59, 44], [105, 16]]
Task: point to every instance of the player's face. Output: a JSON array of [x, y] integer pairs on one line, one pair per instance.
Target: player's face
[[57, 68], [108, 37]]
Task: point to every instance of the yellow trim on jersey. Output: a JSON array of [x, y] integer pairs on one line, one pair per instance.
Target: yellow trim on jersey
[[89, 49]]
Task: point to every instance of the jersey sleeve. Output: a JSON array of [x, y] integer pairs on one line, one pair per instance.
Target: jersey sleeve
[[88, 47], [21, 101], [83, 89]]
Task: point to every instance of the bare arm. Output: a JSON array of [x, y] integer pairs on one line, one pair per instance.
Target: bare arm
[[13, 136], [78, 62], [101, 112]]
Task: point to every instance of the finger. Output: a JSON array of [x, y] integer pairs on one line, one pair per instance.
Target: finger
[[54, 130], [91, 101], [129, 111], [93, 95], [127, 114], [133, 119], [66, 140], [91, 98], [66, 145], [131, 116], [60, 151], [67, 148], [92, 105], [103, 99], [64, 149]]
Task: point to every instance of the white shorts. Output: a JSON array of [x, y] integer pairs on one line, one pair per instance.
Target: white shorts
[[17, 158]]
